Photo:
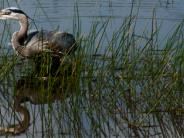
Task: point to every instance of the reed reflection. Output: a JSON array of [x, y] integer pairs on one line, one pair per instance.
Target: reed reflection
[[40, 90]]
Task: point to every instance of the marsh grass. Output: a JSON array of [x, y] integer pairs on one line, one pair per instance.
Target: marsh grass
[[126, 85]]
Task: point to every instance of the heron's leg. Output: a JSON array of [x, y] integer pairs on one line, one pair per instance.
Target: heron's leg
[[55, 63]]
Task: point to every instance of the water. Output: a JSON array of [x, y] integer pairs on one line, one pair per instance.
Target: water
[[49, 14], [53, 13]]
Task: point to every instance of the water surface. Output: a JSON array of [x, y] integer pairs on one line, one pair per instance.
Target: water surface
[[50, 14], [53, 13]]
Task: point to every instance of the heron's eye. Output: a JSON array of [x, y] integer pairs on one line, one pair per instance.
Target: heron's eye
[[7, 12]]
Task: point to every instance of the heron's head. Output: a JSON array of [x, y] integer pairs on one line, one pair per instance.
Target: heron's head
[[12, 13]]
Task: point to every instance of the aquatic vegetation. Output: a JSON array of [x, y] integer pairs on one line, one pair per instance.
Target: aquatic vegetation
[[124, 85]]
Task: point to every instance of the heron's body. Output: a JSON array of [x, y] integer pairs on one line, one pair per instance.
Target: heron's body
[[57, 43]]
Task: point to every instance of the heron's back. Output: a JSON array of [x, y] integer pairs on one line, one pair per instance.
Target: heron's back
[[51, 41]]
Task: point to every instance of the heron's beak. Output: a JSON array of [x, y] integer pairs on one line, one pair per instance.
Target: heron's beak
[[3, 15], [2, 12]]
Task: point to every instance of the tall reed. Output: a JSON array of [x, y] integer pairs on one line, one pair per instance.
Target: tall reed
[[126, 85]]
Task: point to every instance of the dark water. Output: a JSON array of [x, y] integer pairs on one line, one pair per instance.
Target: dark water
[[49, 14]]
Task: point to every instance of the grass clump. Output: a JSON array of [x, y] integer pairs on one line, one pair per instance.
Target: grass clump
[[125, 85]]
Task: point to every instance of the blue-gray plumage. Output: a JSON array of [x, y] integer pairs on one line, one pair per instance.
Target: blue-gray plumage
[[28, 45]]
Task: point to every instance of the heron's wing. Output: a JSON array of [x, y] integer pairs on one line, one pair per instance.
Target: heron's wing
[[49, 41], [61, 43], [30, 36]]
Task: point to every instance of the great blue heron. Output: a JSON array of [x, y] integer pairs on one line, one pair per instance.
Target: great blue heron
[[28, 45]]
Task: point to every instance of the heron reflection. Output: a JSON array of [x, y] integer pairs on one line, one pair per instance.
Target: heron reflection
[[38, 90]]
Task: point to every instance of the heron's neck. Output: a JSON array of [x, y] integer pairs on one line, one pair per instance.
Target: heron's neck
[[22, 33], [19, 37]]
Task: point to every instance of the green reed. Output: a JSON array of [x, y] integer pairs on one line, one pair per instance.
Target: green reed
[[126, 85]]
